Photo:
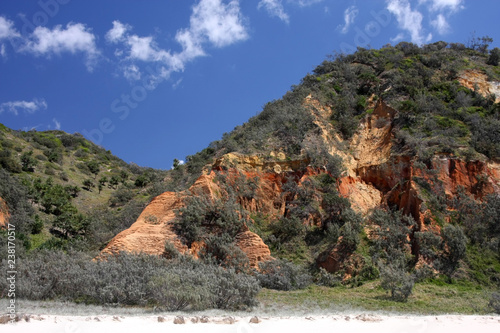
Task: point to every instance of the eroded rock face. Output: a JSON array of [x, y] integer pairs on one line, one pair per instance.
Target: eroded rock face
[[155, 226], [373, 178], [475, 79], [4, 213]]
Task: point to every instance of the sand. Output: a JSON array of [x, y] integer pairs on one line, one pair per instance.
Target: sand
[[365, 322]]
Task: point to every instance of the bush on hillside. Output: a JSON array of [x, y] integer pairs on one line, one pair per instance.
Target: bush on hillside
[[282, 275]]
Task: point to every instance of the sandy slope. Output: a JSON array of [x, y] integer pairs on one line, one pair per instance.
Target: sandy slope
[[333, 323]]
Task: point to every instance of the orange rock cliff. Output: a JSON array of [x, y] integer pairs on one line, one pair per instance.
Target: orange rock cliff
[[374, 176]]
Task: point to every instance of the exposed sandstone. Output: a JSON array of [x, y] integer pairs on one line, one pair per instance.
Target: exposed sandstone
[[4, 213], [477, 80], [155, 225]]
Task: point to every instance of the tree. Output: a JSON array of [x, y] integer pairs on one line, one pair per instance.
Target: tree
[[114, 181], [123, 176], [396, 279], [176, 163], [454, 249], [28, 162], [93, 167], [70, 222], [141, 181], [103, 180], [494, 57], [88, 184]]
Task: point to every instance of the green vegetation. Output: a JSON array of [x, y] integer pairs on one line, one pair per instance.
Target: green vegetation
[[384, 260]]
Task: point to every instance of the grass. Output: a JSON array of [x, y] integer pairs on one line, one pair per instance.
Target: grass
[[427, 298]]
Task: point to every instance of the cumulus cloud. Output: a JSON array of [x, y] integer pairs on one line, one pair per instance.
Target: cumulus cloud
[[212, 22], [7, 29], [274, 8], [132, 72], [28, 107], [349, 16], [222, 24], [409, 20], [117, 33], [75, 38], [441, 24], [442, 9]]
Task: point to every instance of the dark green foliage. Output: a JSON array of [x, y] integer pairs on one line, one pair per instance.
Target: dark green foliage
[[454, 241], [391, 234], [287, 228], [8, 162], [495, 302], [326, 279], [28, 162], [395, 278], [202, 217], [282, 275], [88, 184], [93, 167], [114, 181], [141, 181], [494, 57], [480, 220], [127, 279], [216, 223], [17, 198], [121, 196]]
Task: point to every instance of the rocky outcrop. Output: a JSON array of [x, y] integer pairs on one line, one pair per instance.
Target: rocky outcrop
[[374, 177], [476, 80], [155, 227], [4, 213]]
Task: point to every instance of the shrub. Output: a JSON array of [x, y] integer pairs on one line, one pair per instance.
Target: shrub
[[395, 278], [121, 196], [495, 302], [127, 279], [282, 275], [28, 162], [324, 278]]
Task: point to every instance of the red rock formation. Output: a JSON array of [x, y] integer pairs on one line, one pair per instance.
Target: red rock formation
[[4, 213], [374, 178]]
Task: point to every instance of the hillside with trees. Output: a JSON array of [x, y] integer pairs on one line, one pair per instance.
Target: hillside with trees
[[378, 175]]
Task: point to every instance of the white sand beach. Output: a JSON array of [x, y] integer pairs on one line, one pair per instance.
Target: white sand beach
[[372, 323]]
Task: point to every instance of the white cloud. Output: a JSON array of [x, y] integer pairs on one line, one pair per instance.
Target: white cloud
[[117, 33], [7, 29], [440, 24], [222, 24], [398, 37], [212, 22], [143, 48], [274, 8], [305, 3], [28, 107], [443, 9], [441, 5], [177, 83], [132, 73], [57, 124], [409, 20], [349, 15], [74, 38]]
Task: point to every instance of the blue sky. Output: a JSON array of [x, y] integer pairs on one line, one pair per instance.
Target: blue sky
[[157, 80]]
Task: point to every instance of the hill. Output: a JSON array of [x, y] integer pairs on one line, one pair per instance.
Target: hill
[[59, 187], [380, 167]]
